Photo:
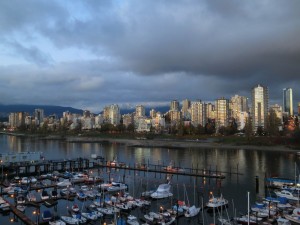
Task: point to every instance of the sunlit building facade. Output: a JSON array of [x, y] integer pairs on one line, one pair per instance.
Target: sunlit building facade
[[222, 112], [260, 107], [198, 113]]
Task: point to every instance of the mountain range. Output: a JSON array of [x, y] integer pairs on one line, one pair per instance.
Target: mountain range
[[5, 110]]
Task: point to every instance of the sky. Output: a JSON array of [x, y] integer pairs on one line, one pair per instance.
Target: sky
[[88, 54]]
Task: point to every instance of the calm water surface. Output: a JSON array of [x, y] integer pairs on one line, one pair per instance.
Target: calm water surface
[[249, 163]]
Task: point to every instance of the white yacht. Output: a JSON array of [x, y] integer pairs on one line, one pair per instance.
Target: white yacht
[[117, 186], [287, 194], [216, 202], [163, 191], [64, 183]]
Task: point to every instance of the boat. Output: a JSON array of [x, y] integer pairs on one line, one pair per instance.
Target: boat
[[44, 195], [46, 215], [153, 216], [79, 218], [192, 211], [216, 202], [81, 195], [31, 197], [57, 222], [283, 221], [21, 199], [172, 168], [64, 183], [287, 194], [75, 208], [21, 207], [163, 191], [50, 202], [80, 177], [132, 220], [90, 215], [4, 207], [54, 194], [244, 220], [294, 217], [69, 220], [117, 186]]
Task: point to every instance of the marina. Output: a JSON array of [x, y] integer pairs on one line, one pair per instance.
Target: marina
[[86, 182]]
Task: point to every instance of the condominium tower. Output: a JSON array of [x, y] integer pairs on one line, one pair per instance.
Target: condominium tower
[[222, 112], [260, 106], [288, 101]]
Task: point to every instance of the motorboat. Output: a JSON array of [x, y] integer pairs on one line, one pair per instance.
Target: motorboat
[[31, 197], [81, 195], [283, 221], [294, 217], [117, 186], [287, 194], [64, 183], [163, 191], [216, 202], [90, 215], [57, 222], [21, 199], [75, 208], [21, 207], [54, 194], [80, 177], [69, 220], [192, 211], [44, 195], [132, 220]]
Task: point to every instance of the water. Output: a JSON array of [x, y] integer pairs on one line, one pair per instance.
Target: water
[[250, 163]]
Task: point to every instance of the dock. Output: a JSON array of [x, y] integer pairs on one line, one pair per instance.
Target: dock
[[25, 219], [81, 164]]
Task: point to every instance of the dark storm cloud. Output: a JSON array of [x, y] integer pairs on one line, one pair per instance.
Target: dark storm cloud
[[32, 54], [229, 39], [189, 48]]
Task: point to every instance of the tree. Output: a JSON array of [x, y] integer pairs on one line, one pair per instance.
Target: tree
[[248, 129], [273, 123]]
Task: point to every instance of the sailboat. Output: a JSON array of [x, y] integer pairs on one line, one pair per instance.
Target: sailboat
[[191, 211]]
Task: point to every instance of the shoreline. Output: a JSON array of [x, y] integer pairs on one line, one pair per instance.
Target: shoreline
[[179, 144], [163, 143]]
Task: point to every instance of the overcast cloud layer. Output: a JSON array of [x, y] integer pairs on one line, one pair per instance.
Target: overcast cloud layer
[[87, 54]]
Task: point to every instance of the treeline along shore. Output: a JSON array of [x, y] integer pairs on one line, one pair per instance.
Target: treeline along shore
[[256, 143]]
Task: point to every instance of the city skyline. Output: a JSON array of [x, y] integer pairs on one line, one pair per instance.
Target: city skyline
[[91, 54]]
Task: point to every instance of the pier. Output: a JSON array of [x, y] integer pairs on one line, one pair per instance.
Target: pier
[[81, 164], [21, 215]]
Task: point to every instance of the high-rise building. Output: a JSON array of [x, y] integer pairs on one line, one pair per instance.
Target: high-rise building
[[152, 113], [277, 109], [174, 105], [288, 101], [260, 106], [198, 113], [114, 114], [140, 111], [222, 112], [237, 105], [38, 116], [210, 111], [186, 105], [111, 114]]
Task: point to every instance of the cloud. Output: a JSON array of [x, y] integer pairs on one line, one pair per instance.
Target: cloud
[[149, 51]]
